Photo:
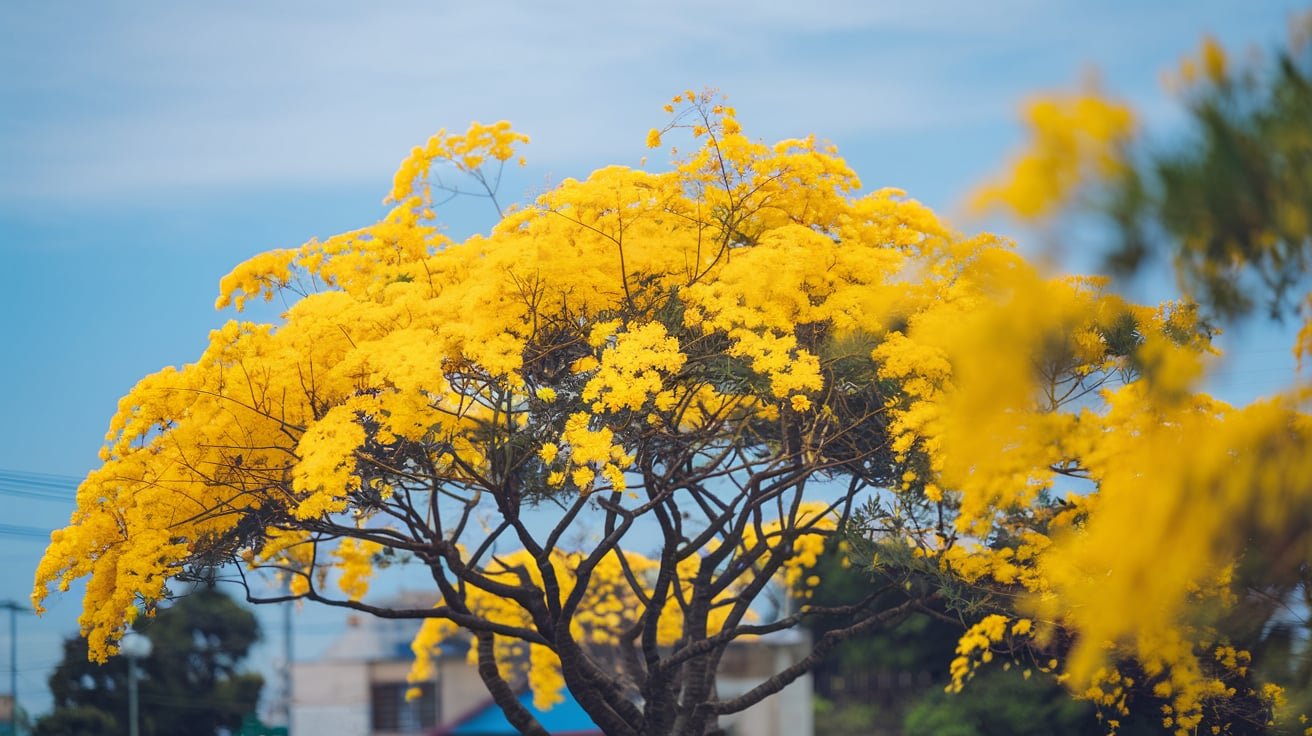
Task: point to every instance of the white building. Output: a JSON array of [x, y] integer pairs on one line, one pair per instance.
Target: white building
[[357, 688]]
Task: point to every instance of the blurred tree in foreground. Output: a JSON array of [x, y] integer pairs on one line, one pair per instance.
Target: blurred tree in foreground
[[1229, 206], [190, 684]]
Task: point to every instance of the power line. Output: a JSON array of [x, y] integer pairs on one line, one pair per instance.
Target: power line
[[41, 667], [47, 487], [6, 490], [48, 480], [15, 530], [37, 486], [50, 489]]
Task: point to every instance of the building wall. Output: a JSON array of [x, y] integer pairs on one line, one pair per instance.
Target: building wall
[[789, 712], [461, 688], [330, 698], [794, 707], [786, 713]]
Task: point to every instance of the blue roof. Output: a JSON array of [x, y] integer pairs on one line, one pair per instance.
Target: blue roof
[[567, 717]]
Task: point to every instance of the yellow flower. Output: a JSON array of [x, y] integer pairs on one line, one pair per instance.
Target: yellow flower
[[583, 477], [653, 138], [548, 452]]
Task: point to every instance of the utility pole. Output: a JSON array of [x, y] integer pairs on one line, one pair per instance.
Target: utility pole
[[14, 607], [287, 663]]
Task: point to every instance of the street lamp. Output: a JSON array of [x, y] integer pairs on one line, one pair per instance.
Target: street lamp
[[135, 647]]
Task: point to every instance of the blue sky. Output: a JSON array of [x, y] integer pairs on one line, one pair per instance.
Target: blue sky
[[148, 147]]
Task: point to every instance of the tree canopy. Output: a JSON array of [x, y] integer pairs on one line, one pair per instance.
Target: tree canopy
[[611, 427], [191, 683]]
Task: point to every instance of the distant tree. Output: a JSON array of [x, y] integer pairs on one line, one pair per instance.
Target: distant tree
[[1002, 703], [79, 720], [190, 684], [892, 680]]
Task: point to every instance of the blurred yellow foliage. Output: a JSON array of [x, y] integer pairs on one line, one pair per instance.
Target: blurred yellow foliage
[[1072, 139]]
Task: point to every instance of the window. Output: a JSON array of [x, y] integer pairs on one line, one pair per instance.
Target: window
[[390, 711]]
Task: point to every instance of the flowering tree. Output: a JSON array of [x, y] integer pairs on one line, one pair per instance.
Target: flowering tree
[[607, 365], [734, 358], [1198, 488]]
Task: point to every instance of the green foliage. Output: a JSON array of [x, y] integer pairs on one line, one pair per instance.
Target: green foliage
[[80, 720], [190, 684], [1232, 206], [918, 649], [848, 719], [1002, 704]]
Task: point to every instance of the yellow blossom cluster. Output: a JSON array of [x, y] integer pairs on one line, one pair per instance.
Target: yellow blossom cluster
[[1073, 139], [584, 454], [634, 369], [1210, 65], [609, 609], [807, 530], [355, 563], [467, 151], [976, 646]]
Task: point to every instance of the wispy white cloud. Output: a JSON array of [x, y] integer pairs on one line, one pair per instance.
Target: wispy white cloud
[[140, 99]]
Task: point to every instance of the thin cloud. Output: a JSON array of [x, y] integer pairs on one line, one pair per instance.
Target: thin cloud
[[144, 99]]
